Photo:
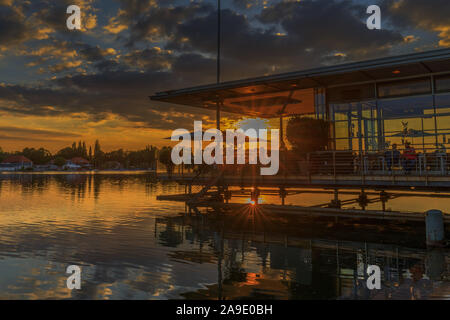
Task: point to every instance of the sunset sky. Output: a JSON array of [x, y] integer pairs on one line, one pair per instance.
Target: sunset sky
[[58, 86]]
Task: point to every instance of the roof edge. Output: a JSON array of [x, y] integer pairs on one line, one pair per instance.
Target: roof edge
[[318, 71]]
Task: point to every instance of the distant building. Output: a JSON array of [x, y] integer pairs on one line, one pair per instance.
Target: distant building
[[46, 167], [15, 163], [80, 161], [71, 166], [77, 163]]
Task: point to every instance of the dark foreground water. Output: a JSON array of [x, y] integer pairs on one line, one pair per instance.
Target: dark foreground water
[[130, 246]]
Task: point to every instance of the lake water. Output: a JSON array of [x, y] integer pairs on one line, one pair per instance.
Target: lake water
[[131, 246]]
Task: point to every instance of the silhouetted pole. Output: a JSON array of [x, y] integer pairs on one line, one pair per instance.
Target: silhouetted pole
[[219, 40]]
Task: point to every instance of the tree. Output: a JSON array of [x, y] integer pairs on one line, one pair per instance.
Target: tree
[[3, 155], [165, 157], [84, 150], [59, 161], [38, 156], [79, 149], [67, 153], [307, 134]]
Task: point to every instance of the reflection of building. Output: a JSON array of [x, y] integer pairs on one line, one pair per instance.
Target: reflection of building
[[273, 266], [370, 104], [15, 163]]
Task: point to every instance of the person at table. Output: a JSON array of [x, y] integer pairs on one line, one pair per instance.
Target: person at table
[[409, 158], [392, 157]]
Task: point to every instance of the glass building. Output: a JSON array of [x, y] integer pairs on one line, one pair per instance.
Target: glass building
[[371, 104], [374, 116]]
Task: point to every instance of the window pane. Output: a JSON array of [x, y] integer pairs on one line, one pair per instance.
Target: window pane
[[406, 107], [442, 103], [351, 93], [341, 128], [443, 123], [342, 144], [443, 84], [404, 88]]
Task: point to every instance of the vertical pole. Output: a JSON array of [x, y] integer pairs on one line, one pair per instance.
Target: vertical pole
[[219, 39], [218, 107], [433, 92], [282, 146]]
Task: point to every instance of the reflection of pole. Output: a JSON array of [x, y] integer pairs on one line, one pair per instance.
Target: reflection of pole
[[338, 270], [219, 267]]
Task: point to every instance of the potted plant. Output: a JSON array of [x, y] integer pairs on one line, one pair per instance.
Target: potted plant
[[306, 135]]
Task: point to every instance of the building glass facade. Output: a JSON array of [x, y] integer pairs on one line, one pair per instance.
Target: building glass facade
[[373, 117]]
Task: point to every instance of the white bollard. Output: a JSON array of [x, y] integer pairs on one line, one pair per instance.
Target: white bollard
[[434, 222]]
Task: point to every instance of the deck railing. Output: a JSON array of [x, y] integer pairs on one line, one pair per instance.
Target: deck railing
[[340, 163], [371, 163]]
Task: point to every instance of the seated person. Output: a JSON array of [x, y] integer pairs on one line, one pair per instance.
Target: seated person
[[409, 158], [392, 157]]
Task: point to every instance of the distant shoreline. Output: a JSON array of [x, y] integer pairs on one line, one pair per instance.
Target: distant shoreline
[[87, 172]]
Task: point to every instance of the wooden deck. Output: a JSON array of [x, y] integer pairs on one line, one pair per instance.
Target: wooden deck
[[214, 196], [433, 183]]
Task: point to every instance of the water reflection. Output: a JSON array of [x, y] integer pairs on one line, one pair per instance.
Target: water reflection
[[132, 247]]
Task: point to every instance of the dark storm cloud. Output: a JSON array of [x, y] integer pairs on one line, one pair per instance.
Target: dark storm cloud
[[155, 21], [328, 26], [195, 68], [246, 4], [26, 132], [430, 15], [91, 53], [414, 13], [296, 35], [53, 13], [123, 93], [172, 44], [149, 59], [12, 26]]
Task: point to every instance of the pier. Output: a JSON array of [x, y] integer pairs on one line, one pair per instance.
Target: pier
[[388, 122]]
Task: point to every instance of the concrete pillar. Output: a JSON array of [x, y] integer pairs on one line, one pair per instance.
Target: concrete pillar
[[435, 232]]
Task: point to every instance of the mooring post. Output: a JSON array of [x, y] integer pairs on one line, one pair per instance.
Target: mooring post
[[434, 222], [384, 197], [336, 203], [363, 200], [283, 195]]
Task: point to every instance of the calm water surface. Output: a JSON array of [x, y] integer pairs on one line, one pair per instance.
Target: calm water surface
[[131, 246]]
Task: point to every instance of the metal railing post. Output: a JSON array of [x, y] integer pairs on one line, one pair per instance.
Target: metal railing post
[[334, 166]]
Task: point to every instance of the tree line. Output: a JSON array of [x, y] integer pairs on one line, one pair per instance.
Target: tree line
[[145, 158]]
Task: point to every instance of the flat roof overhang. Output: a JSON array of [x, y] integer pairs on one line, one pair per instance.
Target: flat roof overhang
[[266, 96]]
